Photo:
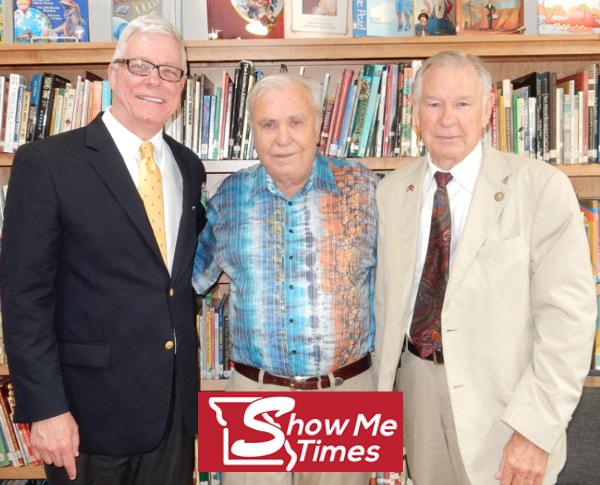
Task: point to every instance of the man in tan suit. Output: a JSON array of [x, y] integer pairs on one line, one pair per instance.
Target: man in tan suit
[[495, 345]]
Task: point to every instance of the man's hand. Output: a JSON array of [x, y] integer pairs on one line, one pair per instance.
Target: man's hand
[[56, 441], [523, 462]]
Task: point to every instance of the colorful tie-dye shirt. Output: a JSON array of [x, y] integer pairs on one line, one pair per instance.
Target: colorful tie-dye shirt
[[302, 269]]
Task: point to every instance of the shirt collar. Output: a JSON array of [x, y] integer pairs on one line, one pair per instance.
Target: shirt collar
[[464, 173], [128, 143], [321, 178]]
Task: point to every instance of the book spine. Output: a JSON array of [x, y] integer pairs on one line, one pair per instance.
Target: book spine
[[246, 71], [370, 110], [359, 18], [340, 111], [36, 84], [361, 108]]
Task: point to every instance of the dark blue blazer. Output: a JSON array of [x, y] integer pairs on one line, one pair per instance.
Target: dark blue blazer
[[87, 302]]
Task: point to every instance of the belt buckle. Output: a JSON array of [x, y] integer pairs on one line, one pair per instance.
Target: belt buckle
[[338, 381], [296, 381]]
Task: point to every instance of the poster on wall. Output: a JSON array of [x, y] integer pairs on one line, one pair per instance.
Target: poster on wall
[[50, 21]]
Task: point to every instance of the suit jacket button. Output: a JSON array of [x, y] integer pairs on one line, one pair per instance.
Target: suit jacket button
[[169, 345], [171, 292]]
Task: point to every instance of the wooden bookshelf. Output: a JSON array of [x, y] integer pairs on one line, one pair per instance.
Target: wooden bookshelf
[[22, 472], [508, 48]]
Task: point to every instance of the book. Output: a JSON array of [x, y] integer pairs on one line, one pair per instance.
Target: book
[[124, 11], [49, 84], [489, 16], [3, 101], [383, 18], [435, 17], [243, 19], [568, 16], [51, 21], [320, 16], [1, 26]]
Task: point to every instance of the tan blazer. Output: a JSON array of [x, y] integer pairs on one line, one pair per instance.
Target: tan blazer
[[519, 311]]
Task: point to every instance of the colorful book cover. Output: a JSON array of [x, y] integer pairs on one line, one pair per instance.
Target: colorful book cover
[[245, 19], [384, 18], [51, 21], [1, 23], [435, 17], [320, 16], [568, 16], [124, 11], [489, 16]]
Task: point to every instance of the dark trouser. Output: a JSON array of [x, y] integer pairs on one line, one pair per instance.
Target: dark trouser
[[171, 463]]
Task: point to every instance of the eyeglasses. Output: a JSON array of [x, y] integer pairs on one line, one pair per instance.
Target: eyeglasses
[[140, 67]]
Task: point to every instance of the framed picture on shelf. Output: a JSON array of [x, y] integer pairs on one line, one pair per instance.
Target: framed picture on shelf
[[568, 16], [489, 16], [320, 16], [50, 21]]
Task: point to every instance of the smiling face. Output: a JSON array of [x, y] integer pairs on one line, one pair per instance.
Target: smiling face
[[143, 104], [286, 132], [451, 113]]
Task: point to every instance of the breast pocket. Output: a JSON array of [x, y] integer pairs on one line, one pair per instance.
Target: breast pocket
[[508, 249]]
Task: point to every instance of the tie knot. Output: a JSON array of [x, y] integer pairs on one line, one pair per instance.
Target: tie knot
[[146, 149], [442, 178]]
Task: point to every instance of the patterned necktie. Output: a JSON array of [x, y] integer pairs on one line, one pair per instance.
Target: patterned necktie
[[150, 188], [425, 330]]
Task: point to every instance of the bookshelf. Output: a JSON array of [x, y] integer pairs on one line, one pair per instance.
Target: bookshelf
[[507, 56]]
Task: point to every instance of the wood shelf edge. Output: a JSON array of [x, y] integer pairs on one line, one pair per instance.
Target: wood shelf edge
[[22, 472], [374, 163], [276, 50], [6, 159], [213, 384]]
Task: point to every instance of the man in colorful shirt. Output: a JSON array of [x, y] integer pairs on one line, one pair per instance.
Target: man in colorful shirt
[[297, 236]]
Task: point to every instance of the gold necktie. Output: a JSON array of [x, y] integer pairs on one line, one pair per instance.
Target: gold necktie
[[150, 188]]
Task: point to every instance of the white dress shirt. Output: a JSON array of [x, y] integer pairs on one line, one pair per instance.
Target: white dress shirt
[[128, 145], [460, 192]]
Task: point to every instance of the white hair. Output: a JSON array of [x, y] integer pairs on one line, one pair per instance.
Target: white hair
[[153, 24]]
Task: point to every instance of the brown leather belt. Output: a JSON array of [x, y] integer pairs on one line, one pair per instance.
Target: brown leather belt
[[307, 383], [437, 357]]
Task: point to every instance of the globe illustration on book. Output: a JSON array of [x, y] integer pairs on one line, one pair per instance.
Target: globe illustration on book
[[118, 26], [31, 24]]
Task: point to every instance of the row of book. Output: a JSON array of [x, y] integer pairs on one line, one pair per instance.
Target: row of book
[[549, 117], [213, 331], [366, 114], [213, 120], [15, 443], [47, 104], [590, 209], [370, 114]]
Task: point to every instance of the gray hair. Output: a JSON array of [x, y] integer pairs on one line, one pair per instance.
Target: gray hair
[[282, 80], [152, 24], [454, 59]]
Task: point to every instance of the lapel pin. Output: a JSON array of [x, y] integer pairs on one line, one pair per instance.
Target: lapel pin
[[499, 196], [410, 188]]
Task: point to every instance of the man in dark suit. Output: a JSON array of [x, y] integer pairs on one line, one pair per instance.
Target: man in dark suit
[[98, 310]]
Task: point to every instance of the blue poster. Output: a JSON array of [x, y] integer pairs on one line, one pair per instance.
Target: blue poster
[[51, 21]]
